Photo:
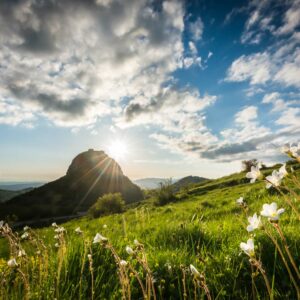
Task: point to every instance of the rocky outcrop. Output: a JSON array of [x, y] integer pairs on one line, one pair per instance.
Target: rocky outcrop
[[90, 175]]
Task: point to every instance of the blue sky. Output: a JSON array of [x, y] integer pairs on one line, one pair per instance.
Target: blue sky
[[187, 88]]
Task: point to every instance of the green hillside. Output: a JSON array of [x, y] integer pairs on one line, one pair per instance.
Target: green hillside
[[6, 195], [204, 228]]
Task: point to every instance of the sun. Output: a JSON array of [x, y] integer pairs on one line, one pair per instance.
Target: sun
[[118, 149]]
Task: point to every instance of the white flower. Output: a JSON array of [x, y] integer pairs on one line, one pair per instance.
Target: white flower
[[89, 256], [274, 179], [240, 201], [54, 224], [21, 253], [24, 236], [270, 211], [56, 237], [12, 263], [282, 171], [129, 250], [248, 247], [194, 271], [78, 230], [60, 229], [254, 174], [99, 238], [26, 228], [254, 223], [123, 263], [137, 243], [56, 245], [292, 150], [104, 226]]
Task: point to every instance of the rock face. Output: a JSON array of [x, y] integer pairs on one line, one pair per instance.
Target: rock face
[[90, 175]]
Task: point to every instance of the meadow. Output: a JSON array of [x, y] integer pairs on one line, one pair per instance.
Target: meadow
[[188, 249]]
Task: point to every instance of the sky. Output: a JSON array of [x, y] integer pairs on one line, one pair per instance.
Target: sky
[[168, 88]]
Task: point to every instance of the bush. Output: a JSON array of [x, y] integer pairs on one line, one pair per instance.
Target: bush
[[107, 204], [166, 194]]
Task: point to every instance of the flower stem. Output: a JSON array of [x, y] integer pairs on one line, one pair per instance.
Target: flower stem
[[285, 262], [277, 227]]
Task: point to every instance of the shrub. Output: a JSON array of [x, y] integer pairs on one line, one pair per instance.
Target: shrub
[[107, 204], [166, 194]]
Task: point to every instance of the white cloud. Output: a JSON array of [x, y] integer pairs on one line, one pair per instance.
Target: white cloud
[[246, 115], [73, 62], [291, 19], [256, 68], [196, 29]]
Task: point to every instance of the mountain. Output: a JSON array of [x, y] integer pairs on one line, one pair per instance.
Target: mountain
[[186, 181], [18, 186], [149, 183], [6, 195], [90, 175]]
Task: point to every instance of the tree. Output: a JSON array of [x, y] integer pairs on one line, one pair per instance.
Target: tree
[[107, 204], [165, 193], [247, 164]]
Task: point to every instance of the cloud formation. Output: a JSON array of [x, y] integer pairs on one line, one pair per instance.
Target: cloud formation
[[74, 61]]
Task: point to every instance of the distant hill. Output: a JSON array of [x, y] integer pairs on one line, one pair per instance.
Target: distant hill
[[150, 183], [18, 186], [186, 181], [6, 195], [90, 175]]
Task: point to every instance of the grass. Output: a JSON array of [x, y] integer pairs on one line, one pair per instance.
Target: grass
[[205, 229]]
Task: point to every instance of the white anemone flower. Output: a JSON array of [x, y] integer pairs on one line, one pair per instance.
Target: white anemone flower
[[274, 179], [56, 245], [12, 263], [254, 223], [282, 171], [123, 263], [254, 174], [129, 250], [78, 230], [60, 229], [21, 253], [99, 239], [240, 201], [270, 211], [248, 247], [54, 224], [24, 236], [194, 271]]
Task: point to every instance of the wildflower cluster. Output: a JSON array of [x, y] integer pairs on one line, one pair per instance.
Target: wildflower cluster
[[272, 214]]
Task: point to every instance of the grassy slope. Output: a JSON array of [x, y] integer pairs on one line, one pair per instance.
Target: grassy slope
[[205, 229]]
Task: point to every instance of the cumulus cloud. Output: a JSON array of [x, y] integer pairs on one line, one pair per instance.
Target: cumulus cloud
[[196, 29], [280, 64], [256, 68], [74, 61]]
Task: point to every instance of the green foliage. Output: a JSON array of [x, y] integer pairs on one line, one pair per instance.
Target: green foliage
[[107, 204], [165, 193]]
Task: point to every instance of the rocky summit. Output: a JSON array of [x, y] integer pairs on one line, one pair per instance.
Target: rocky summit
[[90, 175]]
